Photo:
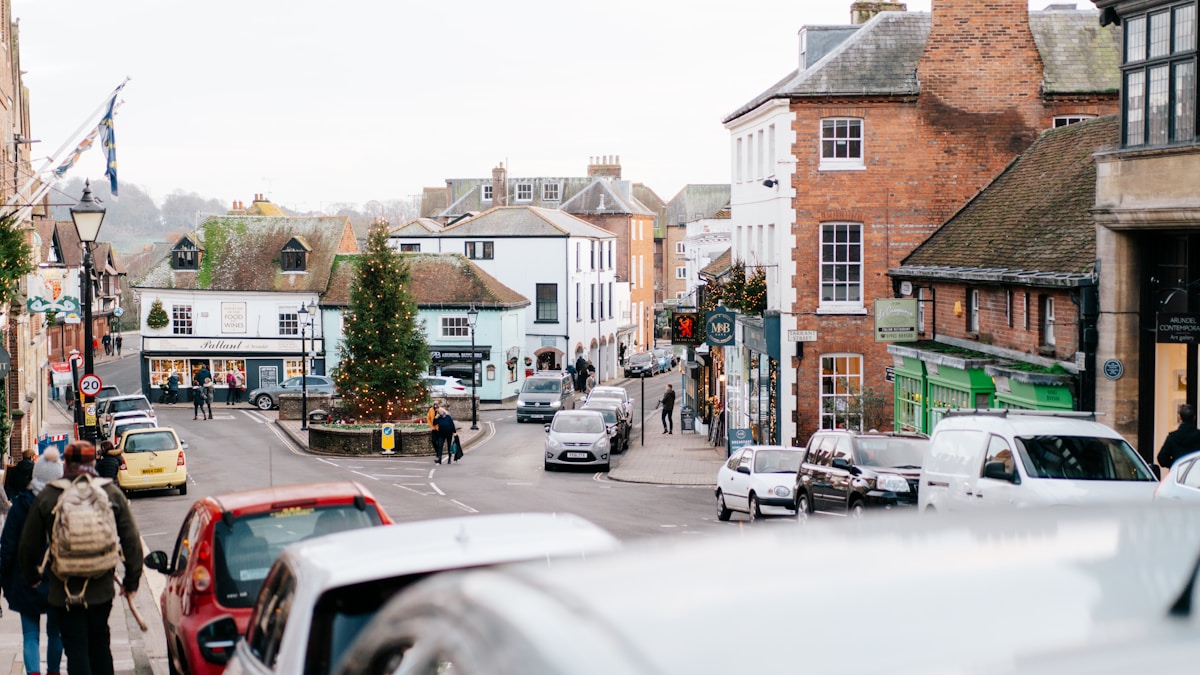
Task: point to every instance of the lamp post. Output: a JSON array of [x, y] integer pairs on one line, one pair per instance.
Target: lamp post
[[306, 315], [472, 317], [87, 215]]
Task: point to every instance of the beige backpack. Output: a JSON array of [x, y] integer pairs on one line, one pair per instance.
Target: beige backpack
[[83, 539]]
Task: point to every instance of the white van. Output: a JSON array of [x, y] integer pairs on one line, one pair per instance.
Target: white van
[[1021, 458]]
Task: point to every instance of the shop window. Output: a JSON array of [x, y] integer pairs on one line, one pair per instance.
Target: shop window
[[181, 319], [841, 384], [293, 368], [161, 369]]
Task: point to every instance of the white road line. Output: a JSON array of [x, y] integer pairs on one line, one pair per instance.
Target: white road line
[[463, 506], [395, 475], [257, 417], [322, 459], [437, 489], [365, 475], [287, 442], [405, 487]]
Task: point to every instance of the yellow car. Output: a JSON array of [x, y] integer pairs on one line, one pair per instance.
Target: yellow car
[[152, 459]]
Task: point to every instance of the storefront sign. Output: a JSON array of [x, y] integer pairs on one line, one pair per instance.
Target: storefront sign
[[1180, 329], [53, 290], [211, 344], [442, 354], [233, 317], [896, 320], [685, 329], [718, 328], [739, 438]]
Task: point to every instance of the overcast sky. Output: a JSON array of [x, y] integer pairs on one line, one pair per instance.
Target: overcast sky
[[316, 103]]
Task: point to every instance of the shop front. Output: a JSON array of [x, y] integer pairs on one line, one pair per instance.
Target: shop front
[[756, 405], [952, 378], [469, 366], [261, 362]]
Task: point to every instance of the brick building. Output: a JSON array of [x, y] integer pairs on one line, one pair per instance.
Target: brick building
[[842, 168]]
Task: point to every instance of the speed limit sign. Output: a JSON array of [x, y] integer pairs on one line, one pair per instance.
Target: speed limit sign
[[89, 385]]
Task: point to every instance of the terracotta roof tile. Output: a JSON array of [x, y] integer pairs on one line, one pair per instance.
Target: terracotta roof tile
[[438, 280]]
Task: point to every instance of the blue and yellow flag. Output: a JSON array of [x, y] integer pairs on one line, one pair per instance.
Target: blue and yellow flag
[[109, 141]]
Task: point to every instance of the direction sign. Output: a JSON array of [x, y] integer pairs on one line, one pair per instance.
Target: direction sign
[[388, 440], [89, 385], [118, 312]]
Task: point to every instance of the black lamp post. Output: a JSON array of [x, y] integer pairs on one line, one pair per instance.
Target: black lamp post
[[472, 317], [88, 215], [306, 316]]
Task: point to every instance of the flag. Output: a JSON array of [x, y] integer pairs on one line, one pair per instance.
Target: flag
[[69, 162], [109, 140]]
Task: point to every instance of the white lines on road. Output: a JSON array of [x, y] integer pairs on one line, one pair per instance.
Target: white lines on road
[[322, 459], [423, 493], [463, 506], [437, 489], [364, 475], [257, 417]]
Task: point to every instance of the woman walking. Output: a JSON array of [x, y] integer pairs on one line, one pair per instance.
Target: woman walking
[[109, 464], [28, 601]]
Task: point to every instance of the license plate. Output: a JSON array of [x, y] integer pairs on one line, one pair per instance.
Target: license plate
[[156, 469], [577, 455]]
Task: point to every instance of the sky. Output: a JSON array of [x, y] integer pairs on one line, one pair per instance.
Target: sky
[[322, 103]]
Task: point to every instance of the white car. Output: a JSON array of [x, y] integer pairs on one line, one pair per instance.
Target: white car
[[123, 424], [617, 393], [126, 405], [321, 592], [1182, 484], [444, 385], [758, 477]]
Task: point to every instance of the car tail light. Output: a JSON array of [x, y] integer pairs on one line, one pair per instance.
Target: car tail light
[[180, 462], [216, 640], [123, 467], [201, 577]]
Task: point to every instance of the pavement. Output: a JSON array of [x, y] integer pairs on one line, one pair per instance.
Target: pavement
[[681, 458]]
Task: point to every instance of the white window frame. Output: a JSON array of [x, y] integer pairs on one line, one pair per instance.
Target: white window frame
[[485, 192], [680, 248], [836, 405], [681, 272], [1064, 120], [183, 320], [973, 310], [454, 326], [842, 153], [524, 192], [551, 192], [287, 317], [1048, 321], [833, 265]]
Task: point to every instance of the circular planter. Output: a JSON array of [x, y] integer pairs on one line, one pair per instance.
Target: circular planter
[[324, 439]]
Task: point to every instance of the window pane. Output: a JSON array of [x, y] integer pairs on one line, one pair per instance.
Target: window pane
[[1135, 40], [1160, 34], [1185, 101], [1159, 105], [1135, 101], [1185, 29]]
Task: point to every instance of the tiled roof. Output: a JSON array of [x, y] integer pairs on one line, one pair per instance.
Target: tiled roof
[[882, 56], [601, 198], [1034, 219], [242, 253], [416, 225], [720, 265], [696, 202], [521, 221], [438, 280]]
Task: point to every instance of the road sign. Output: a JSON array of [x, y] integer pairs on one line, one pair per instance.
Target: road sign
[[389, 439], [89, 385], [802, 336], [118, 312]]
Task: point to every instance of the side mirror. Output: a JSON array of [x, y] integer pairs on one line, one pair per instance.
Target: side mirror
[[1157, 471], [997, 471], [611, 429], [744, 469], [157, 560], [547, 428], [842, 463]]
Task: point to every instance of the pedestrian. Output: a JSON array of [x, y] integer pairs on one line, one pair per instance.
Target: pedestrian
[[621, 354], [54, 394], [110, 461], [239, 385], [107, 341], [210, 392], [11, 488], [173, 388], [198, 394], [1183, 440], [444, 434], [31, 602], [581, 365], [231, 387], [117, 341], [667, 403], [95, 346], [48, 467], [81, 605], [591, 380]]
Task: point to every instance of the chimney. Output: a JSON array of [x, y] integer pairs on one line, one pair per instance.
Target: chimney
[[500, 185], [972, 45], [607, 166], [861, 12]]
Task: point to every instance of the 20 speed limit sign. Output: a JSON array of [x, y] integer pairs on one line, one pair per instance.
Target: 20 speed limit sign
[[89, 385]]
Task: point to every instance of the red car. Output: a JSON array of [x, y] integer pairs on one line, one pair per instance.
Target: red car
[[224, 549]]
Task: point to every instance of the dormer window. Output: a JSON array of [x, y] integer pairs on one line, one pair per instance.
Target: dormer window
[[294, 257], [186, 255]]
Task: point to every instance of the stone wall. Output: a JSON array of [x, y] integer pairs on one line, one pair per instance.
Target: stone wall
[[290, 404], [327, 440]]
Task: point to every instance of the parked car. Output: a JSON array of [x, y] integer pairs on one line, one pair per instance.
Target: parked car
[[666, 359], [444, 385], [125, 405], [107, 391], [613, 393], [319, 594], [757, 477], [544, 394], [266, 398], [1079, 591], [615, 419], [848, 472], [1019, 458], [642, 364], [1182, 483], [577, 438], [223, 551], [152, 459], [123, 424]]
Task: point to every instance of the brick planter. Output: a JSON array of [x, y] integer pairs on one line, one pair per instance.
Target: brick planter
[[327, 440], [290, 404]]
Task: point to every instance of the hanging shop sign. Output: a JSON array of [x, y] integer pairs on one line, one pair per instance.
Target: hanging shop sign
[[1178, 329], [896, 320], [718, 328]]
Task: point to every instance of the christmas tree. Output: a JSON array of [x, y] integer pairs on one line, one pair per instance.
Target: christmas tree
[[383, 352], [157, 318]]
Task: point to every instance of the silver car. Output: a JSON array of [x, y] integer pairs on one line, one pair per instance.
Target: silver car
[[577, 438], [268, 397]]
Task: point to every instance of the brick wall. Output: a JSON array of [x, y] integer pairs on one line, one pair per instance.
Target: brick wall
[[994, 326]]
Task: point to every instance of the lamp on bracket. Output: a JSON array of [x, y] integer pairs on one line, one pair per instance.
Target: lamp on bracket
[[770, 182]]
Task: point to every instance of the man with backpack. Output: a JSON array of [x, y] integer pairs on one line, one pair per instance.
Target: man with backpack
[[79, 527]]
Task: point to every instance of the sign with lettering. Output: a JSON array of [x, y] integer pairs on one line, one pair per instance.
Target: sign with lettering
[[685, 329], [233, 317], [209, 344], [1179, 329], [738, 438], [896, 320], [802, 336], [718, 328], [268, 376]]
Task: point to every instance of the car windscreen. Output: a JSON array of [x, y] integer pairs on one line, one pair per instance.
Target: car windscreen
[[578, 424], [245, 550], [128, 405], [890, 452], [542, 386], [1081, 458], [156, 441], [610, 414], [121, 430], [609, 395], [777, 461], [341, 613], [641, 358]]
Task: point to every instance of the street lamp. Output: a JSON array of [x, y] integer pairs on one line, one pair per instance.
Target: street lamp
[[306, 315], [87, 215], [472, 317]]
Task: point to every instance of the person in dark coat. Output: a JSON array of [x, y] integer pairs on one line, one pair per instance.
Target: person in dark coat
[[84, 626], [444, 435], [1183, 440], [11, 478], [667, 403], [28, 601], [110, 461]]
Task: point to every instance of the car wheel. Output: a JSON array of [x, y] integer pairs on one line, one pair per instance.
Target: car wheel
[[183, 489], [264, 402], [857, 509], [723, 511], [803, 508], [755, 511]]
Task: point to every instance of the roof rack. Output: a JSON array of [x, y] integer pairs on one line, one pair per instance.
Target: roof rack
[[1088, 415]]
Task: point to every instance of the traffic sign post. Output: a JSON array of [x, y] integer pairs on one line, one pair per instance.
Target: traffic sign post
[[388, 440], [90, 385]]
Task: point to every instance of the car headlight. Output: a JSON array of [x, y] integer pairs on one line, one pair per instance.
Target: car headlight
[[553, 444], [602, 444], [555, 404], [521, 403], [891, 483], [781, 491]]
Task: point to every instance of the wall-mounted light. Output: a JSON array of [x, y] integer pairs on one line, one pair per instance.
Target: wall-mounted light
[[770, 182]]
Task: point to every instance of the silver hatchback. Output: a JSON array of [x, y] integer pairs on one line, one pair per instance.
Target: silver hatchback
[[577, 438]]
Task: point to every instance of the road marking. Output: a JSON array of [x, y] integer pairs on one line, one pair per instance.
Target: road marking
[[405, 487], [322, 459], [257, 417], [365, 475], [437, 489], [287, 442], [463, 506]]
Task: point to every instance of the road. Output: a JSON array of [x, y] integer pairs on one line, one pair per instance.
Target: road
[[240, 449]]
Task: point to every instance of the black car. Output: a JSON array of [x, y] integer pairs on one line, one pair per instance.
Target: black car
[[642, 364], [849, 472], [615, 419]]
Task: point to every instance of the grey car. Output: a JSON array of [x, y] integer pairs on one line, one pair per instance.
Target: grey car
[[268, 397], [577, 438]]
